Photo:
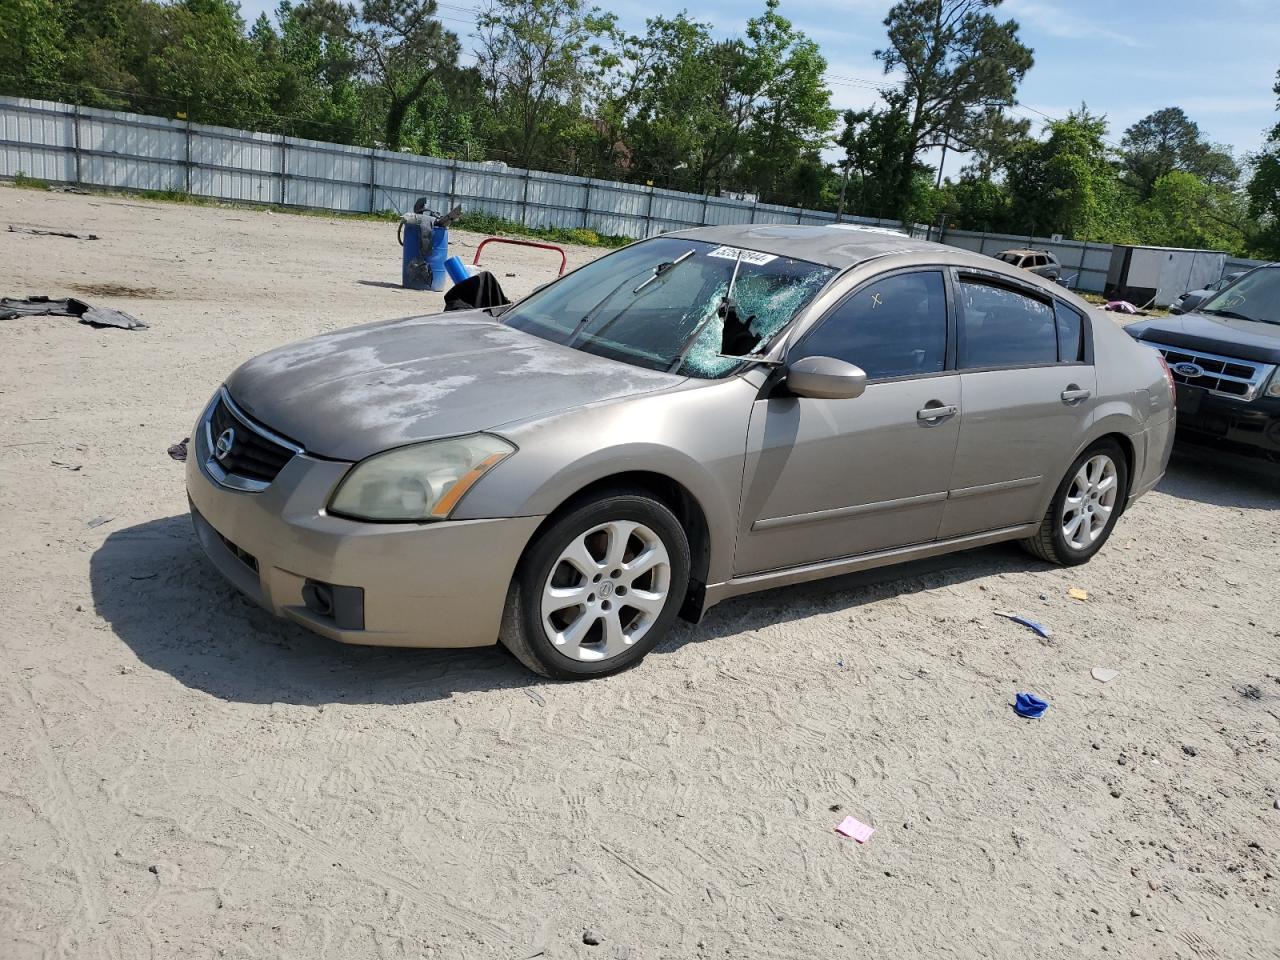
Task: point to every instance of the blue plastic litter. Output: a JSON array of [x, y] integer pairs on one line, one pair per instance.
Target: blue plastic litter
[[1030, 706], [456, 269], [1039, 628]]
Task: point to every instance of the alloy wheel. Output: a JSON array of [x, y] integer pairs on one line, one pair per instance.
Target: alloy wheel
[[606, 590], [1090, 501]]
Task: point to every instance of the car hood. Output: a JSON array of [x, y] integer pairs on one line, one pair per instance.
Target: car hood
[[353, 393], [1245, 339]]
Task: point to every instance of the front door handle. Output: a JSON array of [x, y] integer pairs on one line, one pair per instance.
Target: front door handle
[[1074, 394], [934, 411]]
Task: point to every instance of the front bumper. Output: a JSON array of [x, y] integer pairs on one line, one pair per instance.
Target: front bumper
[[1248, 427], [420, 585]]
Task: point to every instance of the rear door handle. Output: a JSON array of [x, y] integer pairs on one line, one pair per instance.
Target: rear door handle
[[1074, 394], [934, 411]]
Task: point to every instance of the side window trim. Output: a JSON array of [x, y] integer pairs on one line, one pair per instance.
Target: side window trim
[[949, 300], [1086, 334]]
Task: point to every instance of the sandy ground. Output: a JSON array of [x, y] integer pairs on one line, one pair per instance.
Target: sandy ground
[[183, 775]]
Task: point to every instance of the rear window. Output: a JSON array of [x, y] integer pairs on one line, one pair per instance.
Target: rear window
[[1070, 334]]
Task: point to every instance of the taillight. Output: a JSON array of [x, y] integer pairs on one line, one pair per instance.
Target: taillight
[[1168, 375]]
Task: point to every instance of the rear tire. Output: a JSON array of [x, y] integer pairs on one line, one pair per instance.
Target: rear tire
[[598, 588], [1085, 507]]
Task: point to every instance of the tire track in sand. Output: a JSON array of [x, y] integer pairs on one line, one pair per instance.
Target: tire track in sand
[[63, 810], [439, 908]]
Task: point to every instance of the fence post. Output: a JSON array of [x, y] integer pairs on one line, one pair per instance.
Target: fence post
[[705, 198], [648, 215], [754, 203], [284, 162], [75, 119], [373, 179], [524, 201], [187, 164], [453, 180], [586, 205]]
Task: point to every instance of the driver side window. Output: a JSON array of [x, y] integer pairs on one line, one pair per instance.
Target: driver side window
[[895, 327]]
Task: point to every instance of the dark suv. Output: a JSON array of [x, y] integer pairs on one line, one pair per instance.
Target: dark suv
[[1224, 357]]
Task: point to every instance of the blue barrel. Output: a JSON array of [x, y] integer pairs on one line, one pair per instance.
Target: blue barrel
[[438, 255], [413, 268], [423, 269], [457, 269]]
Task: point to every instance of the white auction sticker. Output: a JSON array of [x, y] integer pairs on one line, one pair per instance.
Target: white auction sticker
[[748, 256]]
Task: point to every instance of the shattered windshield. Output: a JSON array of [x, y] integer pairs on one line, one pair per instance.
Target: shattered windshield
[[1255, 296], [662, 304]]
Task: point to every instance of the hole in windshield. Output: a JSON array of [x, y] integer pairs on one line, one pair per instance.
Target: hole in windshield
[[662, 304]]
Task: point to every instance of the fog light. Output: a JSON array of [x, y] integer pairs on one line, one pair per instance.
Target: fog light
[[342, 605], [318, 597]]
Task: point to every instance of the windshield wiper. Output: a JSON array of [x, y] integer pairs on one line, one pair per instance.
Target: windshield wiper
[[660, 270], [727, 310], [1232, 315], [663, 269]]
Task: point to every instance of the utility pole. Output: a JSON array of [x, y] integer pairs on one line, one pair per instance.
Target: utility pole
[[946, 137], [844, 185]]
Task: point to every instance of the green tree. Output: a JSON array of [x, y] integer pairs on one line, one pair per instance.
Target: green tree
[[746, 113], [1264, 192], [1185, 211], [540, 62], [957, 60], [665, 99], [992, 137], [309, 75], [200, 61], [792, 115], [32, 47], [873, 142], [1067, 184], [1169, 140], [401, 48]]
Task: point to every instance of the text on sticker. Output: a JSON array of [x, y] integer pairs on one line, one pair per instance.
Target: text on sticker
[[748, 256]]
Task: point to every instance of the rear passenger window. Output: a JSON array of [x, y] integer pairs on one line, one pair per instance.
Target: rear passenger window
[[1070, 330], [1002, 328], [895, 327]]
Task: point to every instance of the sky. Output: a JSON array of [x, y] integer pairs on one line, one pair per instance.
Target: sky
[[1124, 58]]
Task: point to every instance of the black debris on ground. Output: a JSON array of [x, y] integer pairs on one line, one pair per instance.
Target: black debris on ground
[[40, 306]]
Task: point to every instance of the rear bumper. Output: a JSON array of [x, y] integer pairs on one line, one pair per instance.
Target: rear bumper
[[431, 585], [1251, 428]]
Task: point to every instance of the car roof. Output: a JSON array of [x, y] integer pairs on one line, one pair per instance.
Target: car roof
[[1027, 253], [836, 245]]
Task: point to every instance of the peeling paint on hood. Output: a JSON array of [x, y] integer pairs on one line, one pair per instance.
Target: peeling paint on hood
[[356, 392]]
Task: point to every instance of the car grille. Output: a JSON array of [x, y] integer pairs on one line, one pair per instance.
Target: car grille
[[256, 455], [244, 556], [1225, 376]]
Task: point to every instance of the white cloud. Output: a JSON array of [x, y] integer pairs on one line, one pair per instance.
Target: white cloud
[[1065, 23]]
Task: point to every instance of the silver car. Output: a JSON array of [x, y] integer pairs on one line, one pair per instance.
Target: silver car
[[694, 417], [1040, 262]]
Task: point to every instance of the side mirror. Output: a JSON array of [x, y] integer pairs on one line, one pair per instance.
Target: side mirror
[[826, 378]]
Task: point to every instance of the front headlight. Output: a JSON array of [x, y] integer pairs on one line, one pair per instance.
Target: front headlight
[[1273, 388], [421, 482]]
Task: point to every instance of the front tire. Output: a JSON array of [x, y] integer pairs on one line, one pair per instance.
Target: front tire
[[1085, 508], [598, 588]]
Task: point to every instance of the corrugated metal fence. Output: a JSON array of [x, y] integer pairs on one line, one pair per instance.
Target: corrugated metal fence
[[1084, 265], [60, 143]]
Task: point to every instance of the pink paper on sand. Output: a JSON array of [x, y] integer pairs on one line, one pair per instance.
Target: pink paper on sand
[[856, 829]]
